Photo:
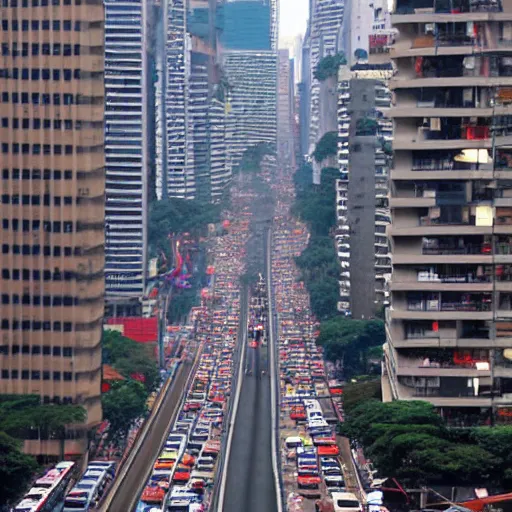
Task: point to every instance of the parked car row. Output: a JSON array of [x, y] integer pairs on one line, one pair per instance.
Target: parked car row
[[88, 491], [309, 447], [185, 470]]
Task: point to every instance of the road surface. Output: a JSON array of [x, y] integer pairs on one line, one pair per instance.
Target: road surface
[[250, 485], [127, 493]]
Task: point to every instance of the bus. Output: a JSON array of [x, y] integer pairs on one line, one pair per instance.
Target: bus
[[48, 491]]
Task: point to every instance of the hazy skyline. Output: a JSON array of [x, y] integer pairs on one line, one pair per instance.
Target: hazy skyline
[[293, 16]]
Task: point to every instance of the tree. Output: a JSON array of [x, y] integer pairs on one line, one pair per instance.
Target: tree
[[326, 146], [129, 357], [328, 66], [366, 126], [122, 405], [361, 54], [355, 394], [16, 469]]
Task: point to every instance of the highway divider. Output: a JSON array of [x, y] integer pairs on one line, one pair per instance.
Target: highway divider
[[274, 389]]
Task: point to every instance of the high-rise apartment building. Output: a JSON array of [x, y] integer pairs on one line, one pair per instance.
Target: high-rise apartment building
[[253, 101], [52, 207], [177, 70], [126, 147], [285, 145], [450, 322], [326, 17]]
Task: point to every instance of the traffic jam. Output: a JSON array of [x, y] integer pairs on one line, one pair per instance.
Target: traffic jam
[[184, 472], [313, 471]]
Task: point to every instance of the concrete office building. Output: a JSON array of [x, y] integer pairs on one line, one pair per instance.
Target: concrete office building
[[53, 209], [365, 136], [361, 194], [450, 322], [126, 147]]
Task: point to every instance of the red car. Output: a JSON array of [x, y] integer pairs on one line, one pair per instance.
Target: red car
[[330, 449]]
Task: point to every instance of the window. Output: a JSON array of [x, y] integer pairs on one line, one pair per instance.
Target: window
[[67, 352], [25, 374], [56, 25], [46, 375], [36, 349], [56, 376], [68, 376], [36, 375], [56, 351]]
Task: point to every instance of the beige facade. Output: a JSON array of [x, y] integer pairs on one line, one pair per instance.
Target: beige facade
[[52, 206], [449, 326]]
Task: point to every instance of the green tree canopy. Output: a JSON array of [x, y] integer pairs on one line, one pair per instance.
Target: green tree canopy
[[16, 469], [129, 357], [326, 146], [328, 66], [178, 216], [122, 405]]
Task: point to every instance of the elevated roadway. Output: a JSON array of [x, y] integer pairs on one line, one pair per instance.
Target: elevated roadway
[[249, 483]]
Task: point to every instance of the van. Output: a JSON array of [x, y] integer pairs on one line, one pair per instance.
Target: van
[[78, 500], [346, 502]]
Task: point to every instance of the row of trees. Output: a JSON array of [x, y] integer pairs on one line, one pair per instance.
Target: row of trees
[[126, 400], [409, 440], [24, 417], [353, 343]]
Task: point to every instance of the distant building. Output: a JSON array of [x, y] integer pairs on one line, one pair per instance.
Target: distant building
[[246, 25], [252, 115], [126, 148], [285, 147]]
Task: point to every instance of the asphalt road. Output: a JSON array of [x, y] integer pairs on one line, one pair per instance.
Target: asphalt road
[[129, 490], [250, 482], [250, 485]]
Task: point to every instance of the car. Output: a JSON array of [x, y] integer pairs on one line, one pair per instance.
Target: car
[[328, 450], [346, 502]]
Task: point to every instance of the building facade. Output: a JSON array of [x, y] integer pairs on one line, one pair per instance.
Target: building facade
[[53, 211], [252, 115], [285, 139], [126, 147], [449, 325], [326, 17]]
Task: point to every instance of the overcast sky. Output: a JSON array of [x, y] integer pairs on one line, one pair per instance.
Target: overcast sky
[[293, 16]]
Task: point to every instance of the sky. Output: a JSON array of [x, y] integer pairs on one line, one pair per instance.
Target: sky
[[293, 16]]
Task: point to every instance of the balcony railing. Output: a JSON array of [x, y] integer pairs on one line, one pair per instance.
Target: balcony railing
[[466, 249], [434, 305]]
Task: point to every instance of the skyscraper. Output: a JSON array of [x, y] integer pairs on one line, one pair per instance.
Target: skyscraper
[[250, 65], [324, 26], [449, 325], [53, 207], [285, 147], [126, 147]]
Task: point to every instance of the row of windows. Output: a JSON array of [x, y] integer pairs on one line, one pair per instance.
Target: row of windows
[[37, 300], [26, 25], [37, 375], [37, 149], [46, 124], [35, 200], [57, 49], [36, 98], [35, 250], [36, 174], [35, 325], [25, 274], [40, 74], [36, 275], [36, 350], [44, 3], [27, 225]]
